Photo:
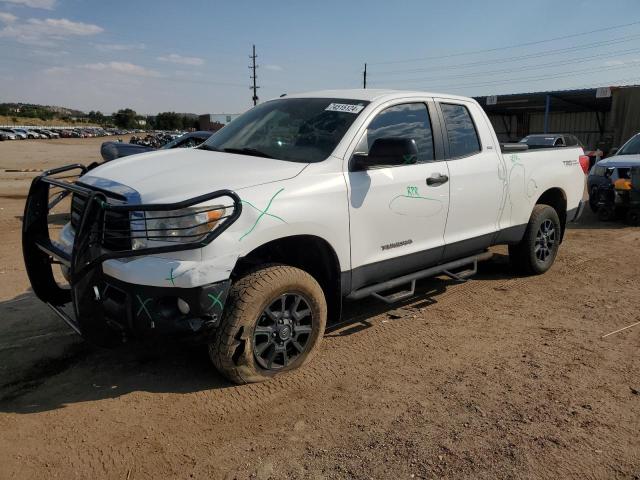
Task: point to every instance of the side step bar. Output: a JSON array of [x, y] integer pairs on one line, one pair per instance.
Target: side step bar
[[374, 290], [67, 319]]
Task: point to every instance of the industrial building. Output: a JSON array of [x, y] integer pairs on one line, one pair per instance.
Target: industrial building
[[215, 121], [601, 118]]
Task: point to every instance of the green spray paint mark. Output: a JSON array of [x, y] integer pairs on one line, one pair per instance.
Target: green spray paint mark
[[515, 159], [215, 300], [262, 213], [143, 307], [412, 191], [171, 278]]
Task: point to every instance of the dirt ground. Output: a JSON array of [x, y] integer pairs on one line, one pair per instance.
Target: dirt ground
[[500, 377]]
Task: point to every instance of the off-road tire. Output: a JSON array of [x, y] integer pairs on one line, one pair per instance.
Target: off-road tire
[[523, 255], [231, 350]]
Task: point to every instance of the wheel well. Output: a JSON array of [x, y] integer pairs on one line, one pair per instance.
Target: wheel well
[[306, 252], [556, 199]]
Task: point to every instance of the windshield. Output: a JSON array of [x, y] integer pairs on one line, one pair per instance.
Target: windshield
[[295, 129], [632, 147]]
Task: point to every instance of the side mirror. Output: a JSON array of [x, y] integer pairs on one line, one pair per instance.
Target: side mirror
[[387, 152]]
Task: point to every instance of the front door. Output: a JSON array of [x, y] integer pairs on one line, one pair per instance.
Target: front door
[[398, 213]]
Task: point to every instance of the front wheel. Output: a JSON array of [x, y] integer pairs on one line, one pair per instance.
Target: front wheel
[[537, 251], [274, 322]]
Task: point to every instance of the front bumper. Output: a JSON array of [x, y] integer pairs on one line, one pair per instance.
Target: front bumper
[[107, 310], [139, 311]]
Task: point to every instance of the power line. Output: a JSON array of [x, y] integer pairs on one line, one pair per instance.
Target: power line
[[254, 77], [544, 77], [556, 63], [543, 53], [497, 49]]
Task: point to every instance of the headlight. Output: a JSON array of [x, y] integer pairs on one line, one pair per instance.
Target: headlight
[[183, 226]]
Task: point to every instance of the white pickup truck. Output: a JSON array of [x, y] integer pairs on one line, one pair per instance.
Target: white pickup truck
[[251, 241]]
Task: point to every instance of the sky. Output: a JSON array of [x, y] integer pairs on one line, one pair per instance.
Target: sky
[[193, 56]]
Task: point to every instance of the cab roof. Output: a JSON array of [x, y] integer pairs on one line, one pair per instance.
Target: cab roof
[[371, 94]]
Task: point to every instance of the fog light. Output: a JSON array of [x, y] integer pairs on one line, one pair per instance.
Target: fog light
[[183, 307]]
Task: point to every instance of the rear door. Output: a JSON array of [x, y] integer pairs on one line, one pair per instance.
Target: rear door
[[397, 220], [476, 181]]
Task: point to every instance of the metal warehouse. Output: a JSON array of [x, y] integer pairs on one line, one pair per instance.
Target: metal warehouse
[[601, 118]]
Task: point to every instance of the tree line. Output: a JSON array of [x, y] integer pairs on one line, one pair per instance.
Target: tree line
[[128, 118], [125, 118]]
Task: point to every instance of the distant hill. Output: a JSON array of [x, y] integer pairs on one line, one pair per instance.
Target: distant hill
[[44, 112]]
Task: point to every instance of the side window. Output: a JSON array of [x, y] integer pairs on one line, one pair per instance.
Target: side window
[[463, 138], [559, 142], [409, 120], [571, 141]]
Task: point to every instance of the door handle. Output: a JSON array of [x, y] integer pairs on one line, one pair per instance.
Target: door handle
[[437, 179]]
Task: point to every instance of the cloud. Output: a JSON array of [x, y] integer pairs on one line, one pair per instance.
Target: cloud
[[7, 17], [119, 47], [44, 4], [179, 59], [619, 62], [275, 68], [125, 68], [56, 70], [41, 32]]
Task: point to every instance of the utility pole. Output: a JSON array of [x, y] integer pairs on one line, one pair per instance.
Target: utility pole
[[364, 76], [254, 77]]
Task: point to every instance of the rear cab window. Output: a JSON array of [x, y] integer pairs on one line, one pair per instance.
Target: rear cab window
[[461, 131]]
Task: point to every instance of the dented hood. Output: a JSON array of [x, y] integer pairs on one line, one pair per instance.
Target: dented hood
[[167, 176]]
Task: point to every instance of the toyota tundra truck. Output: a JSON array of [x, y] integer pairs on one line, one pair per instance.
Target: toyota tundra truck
[[251, 241]]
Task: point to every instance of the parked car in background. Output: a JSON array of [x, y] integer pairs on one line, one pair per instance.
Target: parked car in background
[[9, 134], [20, 135], [561, 140], [606, 172], [47, 133], [551, 140], [113, 150], [29, 133]]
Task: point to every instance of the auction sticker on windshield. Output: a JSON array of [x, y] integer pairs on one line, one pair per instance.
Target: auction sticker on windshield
[[344, 107]]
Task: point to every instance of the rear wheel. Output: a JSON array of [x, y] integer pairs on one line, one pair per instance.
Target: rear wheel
[[274, 322], [538, 249]]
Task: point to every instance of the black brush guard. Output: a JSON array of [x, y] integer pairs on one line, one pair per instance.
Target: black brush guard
[[85, 262]]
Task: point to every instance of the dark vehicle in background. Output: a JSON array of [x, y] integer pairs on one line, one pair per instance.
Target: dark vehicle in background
[[551, 140], [113, 150], [554, 140], [47, 133], [605, 173]]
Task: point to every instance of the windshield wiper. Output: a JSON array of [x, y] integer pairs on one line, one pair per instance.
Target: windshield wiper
[[208, 147], [248, 151]]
